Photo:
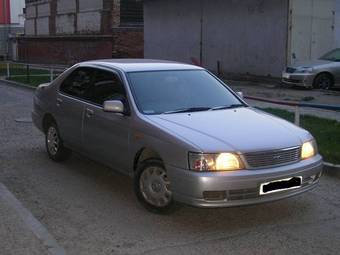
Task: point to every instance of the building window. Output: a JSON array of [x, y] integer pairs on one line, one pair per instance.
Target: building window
[[131, 13]]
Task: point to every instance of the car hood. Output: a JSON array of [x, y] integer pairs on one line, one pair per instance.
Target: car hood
[[241, 130], [312, 63]]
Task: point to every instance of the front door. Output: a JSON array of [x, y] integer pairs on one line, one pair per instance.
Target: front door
[[73, 91], [105, 134]]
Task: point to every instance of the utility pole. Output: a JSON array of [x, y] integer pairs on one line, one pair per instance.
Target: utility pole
[[6, 10]]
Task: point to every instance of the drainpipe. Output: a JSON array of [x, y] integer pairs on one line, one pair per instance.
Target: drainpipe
[[201, 33]]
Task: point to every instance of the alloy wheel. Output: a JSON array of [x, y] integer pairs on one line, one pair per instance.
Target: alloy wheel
[[155, 186], [52, 140], [325, 82]]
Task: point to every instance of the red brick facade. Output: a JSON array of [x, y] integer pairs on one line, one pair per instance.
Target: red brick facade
[[128, 43], [111, 40], [64, 50]]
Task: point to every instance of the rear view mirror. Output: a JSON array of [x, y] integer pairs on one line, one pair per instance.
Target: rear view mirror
[[115, 106]]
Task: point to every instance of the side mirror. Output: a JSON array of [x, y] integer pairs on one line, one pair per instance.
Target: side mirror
[[240, 94], [115, 106]]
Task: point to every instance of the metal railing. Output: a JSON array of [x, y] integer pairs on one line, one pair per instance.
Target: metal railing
[[25, 71], [296, 105]]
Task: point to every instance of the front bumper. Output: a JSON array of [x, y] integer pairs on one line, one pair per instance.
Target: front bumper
[[241, 187], [298, 79]]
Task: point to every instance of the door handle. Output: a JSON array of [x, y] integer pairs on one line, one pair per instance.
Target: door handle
[[59, 101], [89, 112]]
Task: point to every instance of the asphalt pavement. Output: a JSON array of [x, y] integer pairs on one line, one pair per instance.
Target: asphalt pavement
[[86, 208]]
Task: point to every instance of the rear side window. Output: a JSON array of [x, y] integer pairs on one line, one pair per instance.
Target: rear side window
[[78, 83], [106, 86]]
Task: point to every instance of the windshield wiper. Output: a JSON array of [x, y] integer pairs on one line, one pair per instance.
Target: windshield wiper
[[190, 109], [232, 106]]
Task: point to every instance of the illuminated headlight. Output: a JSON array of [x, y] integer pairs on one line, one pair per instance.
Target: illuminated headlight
[[214, 162], [309, 149]]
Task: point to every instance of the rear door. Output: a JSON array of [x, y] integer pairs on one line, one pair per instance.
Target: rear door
[[105, 134], [73, 93]]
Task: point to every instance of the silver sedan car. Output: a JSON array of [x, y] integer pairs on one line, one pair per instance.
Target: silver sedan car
[[179, 131], [323, 73]]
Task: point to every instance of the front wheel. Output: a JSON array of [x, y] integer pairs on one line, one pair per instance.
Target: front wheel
[[54, 144], [323, 81], [152, 187]]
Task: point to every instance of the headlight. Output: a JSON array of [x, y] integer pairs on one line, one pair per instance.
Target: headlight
[[308, 150], [306, 70], [214, 162]]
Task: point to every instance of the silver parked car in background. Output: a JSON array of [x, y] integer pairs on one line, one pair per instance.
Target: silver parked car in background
[[179, 131], [323, 73]]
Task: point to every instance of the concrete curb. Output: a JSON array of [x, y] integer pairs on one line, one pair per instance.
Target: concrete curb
[[331, 169], [18, 84]]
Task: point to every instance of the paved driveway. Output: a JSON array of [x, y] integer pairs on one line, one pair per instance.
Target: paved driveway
[[89, 209]]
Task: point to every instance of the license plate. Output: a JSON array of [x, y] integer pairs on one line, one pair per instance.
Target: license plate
[[280, 185], [286, 75]]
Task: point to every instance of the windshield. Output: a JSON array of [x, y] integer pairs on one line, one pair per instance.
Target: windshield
[[160, 92], [334, 55]]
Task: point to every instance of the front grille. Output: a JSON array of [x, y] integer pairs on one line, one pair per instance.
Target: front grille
[[290, 70], [242, 194], [272, 158]]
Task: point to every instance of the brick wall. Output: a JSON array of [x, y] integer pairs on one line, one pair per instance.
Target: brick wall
[[64, 50], [67, 31], [128, 43]]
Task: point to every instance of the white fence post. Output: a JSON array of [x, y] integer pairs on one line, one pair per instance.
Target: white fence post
[[8, 73], [51, 74], [297, 115]]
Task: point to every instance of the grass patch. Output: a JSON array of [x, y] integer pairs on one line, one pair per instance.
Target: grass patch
[[19, 69], [18, 73], [33, 81], [325, 131]]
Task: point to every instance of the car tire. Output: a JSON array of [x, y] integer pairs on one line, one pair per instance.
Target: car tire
[[54, 144], [152, 187], [323, 81]]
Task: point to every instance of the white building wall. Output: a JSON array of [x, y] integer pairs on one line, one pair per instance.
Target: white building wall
[[43, 26], [313, 29], [248, 36], [17, 16], [66, 6], [337, 24], [88, 22], [29, 27], [65, 24]]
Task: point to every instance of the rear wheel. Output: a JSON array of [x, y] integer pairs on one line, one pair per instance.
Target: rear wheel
[[54, 144], [152, 187], [323, 81]]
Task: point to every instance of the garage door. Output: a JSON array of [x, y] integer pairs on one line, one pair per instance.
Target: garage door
[[311, 29]]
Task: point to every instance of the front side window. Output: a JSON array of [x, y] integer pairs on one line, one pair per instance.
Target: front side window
[[106, 86], [160, 92], [78, 83]]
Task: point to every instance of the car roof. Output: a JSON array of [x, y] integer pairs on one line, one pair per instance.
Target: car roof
[[140, 65]]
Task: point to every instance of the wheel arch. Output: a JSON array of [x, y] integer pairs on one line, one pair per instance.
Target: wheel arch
[[47, 119], [144, 154], [325, 72]]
